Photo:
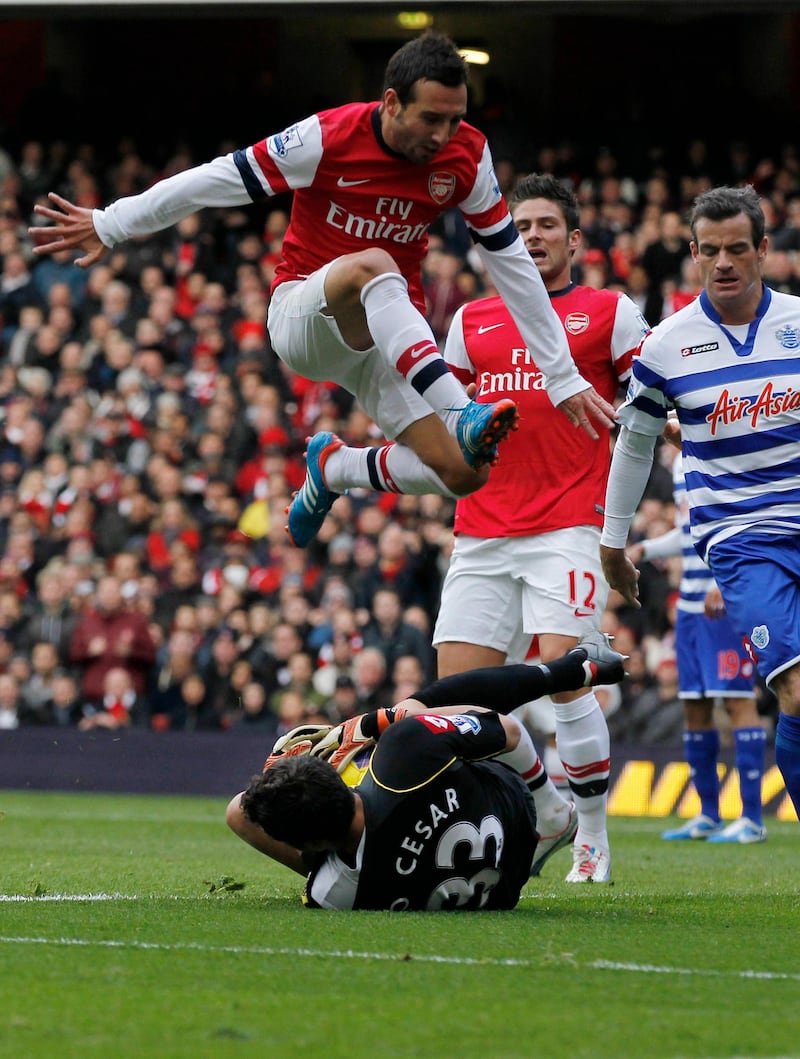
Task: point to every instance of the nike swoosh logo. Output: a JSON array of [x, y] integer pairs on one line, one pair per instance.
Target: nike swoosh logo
[[482, 330], [423, 347], [342, 183]]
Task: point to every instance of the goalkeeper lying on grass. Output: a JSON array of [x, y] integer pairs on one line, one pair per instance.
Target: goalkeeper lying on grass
[[445, 815]]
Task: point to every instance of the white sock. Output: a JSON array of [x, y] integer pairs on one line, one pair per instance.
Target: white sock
[[404, 336], [554, 766], [388, 468], [584, 748]]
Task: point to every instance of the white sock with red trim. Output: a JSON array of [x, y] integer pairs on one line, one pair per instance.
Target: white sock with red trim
[[388, 468], [404, 336], [584, 748]]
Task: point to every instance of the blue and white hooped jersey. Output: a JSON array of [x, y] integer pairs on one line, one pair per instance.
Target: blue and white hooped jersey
[[696, 578], [736, 391]]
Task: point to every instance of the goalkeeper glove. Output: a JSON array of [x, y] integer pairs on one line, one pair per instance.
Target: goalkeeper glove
[[298, 741], [347, 740]]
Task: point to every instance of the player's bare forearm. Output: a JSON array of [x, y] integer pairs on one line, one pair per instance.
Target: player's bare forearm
[[620, 573], [71, 228], [586, 408]]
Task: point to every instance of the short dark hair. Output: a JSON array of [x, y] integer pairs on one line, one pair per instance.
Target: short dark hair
[[431, 57], [717, 204], [546, 186], [300, 800]]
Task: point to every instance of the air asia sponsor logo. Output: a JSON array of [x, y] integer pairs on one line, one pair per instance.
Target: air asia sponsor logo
[[441, 186], [285, 141], [768, 404], [577, 323], [704, 347]]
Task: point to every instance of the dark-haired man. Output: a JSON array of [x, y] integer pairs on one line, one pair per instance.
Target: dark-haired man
[[728, 365], [445, 816], [347, 305], [526, 556]]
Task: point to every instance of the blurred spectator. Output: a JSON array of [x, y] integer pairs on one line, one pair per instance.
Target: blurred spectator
[[255, 713], [780, 272], [292, 710], [51, 618], [120, 705], [370, 676], [176, 662], [109, 635], [9, 702], [298, 676], [36, 705], [787, 237], [66, 702], [662, 260], [336, 662], [443, 293], [395, 637], [221, 697], [408, 677], [656, 715], [343, 702]]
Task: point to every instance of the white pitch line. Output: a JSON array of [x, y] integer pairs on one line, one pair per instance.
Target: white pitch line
[[350, 954], [22, 898]]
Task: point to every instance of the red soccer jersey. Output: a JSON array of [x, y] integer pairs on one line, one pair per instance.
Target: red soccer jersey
[[364, 194], [550, 474]]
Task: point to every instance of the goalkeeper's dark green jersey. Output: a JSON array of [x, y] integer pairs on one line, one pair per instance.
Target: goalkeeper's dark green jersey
[[445, 828]]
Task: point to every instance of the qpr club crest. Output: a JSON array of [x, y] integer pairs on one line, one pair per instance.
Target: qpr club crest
[[577, 323], [789, 337], [759, 637], [441, 186]]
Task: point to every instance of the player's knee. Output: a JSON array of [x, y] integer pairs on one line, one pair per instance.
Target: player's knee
[[234, 817], [370, 263], [461, 479]]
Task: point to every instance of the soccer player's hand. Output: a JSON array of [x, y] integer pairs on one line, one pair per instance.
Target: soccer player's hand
[[343, 743], [300, 740], [620, 573], [71, 227], [588, 405]]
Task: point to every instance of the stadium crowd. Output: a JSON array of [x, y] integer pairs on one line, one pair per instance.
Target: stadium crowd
[[150, 441]]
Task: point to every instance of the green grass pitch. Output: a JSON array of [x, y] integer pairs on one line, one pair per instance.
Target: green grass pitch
[[139, 926]]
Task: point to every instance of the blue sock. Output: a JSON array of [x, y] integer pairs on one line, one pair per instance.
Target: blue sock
[[787, 755], [750, 746], [702, 750]]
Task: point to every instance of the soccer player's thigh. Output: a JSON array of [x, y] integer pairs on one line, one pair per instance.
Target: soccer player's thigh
[[760, 584], [385, 395], [480, 601], [564, 589], [310, 343], [306, 339]]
